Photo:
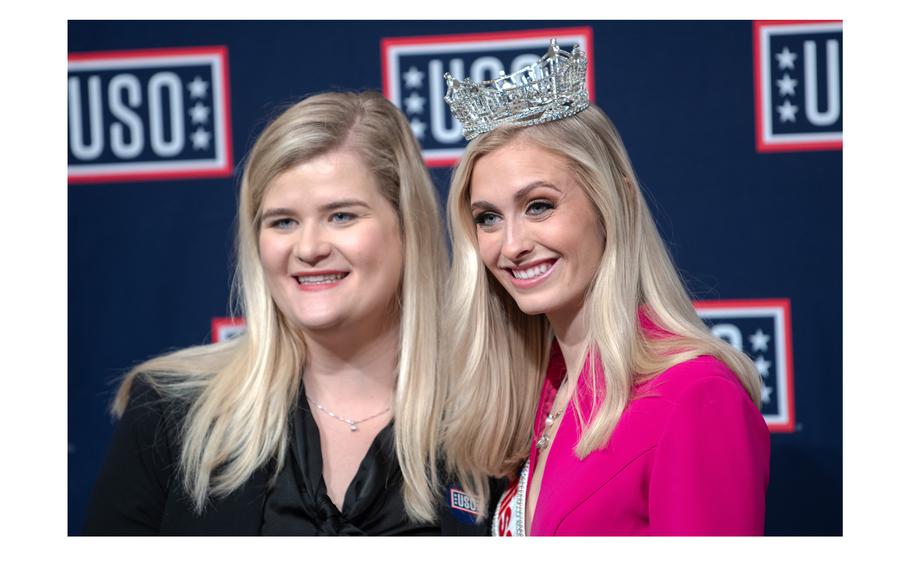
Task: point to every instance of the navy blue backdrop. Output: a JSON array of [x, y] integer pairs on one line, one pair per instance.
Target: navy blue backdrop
[[734, 129]]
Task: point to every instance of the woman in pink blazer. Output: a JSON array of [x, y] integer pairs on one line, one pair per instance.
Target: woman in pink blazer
[[579, 368]]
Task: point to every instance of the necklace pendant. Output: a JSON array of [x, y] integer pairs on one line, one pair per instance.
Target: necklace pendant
[[542, 442], [352, 424]]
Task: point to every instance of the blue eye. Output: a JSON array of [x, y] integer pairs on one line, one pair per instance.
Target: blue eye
[[282, 223], [341, 217], [486, 219], [538, 208]]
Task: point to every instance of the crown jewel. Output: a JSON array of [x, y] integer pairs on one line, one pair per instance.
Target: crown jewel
[[550, 89]]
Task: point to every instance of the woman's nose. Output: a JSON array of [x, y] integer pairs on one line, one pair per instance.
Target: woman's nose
[[312, 246], [517, 242]]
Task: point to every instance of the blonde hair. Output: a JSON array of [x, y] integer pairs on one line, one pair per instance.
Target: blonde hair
[[500, 354], [241, 393]]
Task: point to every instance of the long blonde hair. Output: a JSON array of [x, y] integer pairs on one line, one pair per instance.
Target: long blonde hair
[[241, 393], [499, 353]]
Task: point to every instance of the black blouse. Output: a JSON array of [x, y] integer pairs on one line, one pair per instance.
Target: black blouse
[[139, 491], [298, 504]]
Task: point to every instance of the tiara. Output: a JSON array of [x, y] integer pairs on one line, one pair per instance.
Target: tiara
[[549, 89]]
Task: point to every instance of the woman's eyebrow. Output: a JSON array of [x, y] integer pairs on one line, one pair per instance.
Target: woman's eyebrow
[[483, 205], [277, 212], [519, 195], [342, 204], [524, 191]]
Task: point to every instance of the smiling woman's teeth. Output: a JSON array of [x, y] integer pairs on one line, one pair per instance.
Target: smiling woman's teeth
[[320, 279], [532, 272]]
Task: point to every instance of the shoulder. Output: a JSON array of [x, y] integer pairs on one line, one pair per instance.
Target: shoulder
[[703, 397], [695, 378], [134, 482], [710, 466], [695, 397], [153, 413]]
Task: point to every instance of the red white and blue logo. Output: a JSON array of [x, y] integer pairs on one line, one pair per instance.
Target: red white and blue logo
[[224, 329], [798, 85], [761, 330], [462, 506], [149, 114], [413, 69], [460, 500]]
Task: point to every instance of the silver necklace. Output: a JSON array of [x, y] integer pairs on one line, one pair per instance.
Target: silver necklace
[[352, 424], [545, 437]]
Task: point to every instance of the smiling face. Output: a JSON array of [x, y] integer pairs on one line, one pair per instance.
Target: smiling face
[[330, 245], [536, 230]]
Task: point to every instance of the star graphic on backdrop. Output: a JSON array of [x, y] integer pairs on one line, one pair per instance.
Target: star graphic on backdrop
[[787, 111], [414, 103], [759, 341], [199, 112], [762, 365], [418, 128], [785, 59], [198, 88], [201, 139], [413, 78], [787, 85], [766, 394]]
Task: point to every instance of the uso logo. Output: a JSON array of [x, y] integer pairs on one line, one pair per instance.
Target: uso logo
[[462, 501], [151, 114], [761, 330], [798, 85], [462, 506], [413, 69]]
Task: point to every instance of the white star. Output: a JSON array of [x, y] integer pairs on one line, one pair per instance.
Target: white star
[[766, 394], [787, 111], [785, 59], [418, 127], [762, 365], [787, 85], [201, 139], [413, 79], [414, 103], [759, 340], [199, 112], [198, 87]]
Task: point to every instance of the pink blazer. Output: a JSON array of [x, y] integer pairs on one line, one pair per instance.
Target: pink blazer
[[689, 456]]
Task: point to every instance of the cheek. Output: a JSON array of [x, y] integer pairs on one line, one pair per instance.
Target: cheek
[[269, 254], [589, 246], [488, 248], [377, 249]]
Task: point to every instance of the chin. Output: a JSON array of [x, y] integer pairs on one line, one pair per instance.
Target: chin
[[532, 307], [316, 322]]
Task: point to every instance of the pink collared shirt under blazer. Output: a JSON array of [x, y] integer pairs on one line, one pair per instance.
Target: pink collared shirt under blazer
[[689, 456]]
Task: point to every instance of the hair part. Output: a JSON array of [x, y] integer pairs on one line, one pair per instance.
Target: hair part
[[241, 394], [500, 353]]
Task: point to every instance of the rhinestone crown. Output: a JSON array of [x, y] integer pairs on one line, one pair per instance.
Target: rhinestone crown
[[550, 89]]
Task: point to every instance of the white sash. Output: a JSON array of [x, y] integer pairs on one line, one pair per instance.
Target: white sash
[[509, 518]]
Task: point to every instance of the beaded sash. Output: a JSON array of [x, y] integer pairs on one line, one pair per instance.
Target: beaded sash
[[509, 518]]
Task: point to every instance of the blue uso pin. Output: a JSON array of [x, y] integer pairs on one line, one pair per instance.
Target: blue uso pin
[[462, 505]]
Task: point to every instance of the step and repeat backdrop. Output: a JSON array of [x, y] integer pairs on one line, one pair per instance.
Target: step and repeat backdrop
[[735, 129]]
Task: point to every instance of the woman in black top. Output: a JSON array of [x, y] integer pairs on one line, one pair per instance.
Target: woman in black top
[[288, 428]]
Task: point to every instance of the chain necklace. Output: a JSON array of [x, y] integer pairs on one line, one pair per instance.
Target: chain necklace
[[352, 424], [544, 440], [545, 437]]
